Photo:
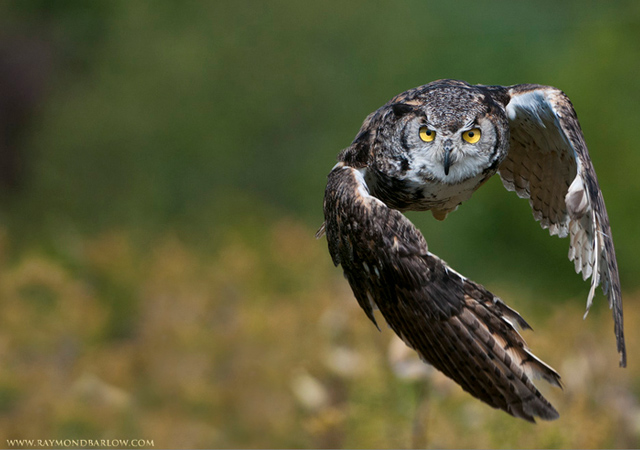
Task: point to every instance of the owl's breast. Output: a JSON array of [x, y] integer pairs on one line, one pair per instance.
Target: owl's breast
[[407, 193]]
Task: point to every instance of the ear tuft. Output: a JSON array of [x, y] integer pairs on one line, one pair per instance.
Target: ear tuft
[[401, 109]]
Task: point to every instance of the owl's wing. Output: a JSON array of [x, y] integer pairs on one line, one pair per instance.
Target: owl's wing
[[549, 164], [453, 323]]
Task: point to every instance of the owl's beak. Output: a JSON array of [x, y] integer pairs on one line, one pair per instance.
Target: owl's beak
[[448, 145]]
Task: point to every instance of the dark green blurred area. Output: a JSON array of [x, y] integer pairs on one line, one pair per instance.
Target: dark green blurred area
[[204, 120], [199, 115]]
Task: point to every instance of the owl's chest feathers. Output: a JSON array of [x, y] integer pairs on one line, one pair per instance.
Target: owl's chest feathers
[[406, 190]]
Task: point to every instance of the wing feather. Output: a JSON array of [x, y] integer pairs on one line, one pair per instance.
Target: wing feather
[[548, 163], [454, 324]]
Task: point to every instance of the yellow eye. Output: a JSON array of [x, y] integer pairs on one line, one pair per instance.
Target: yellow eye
[[426, 134], [472, 136]]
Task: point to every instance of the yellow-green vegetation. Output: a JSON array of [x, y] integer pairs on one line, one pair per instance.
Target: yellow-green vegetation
[[265, 346]]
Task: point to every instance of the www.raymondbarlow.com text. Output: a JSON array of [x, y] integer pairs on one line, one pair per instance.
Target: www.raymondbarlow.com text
[[80, 443]]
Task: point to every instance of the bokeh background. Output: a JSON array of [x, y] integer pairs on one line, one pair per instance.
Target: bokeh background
[[162, 167]]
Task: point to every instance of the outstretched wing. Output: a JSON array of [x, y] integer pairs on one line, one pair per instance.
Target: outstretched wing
[[453, 323], [549, 164]]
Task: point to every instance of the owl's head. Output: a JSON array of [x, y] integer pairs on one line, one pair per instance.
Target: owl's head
[[447, 131]]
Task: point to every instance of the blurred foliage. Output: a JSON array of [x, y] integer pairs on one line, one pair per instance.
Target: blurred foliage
[[263, 346], [159, 252]]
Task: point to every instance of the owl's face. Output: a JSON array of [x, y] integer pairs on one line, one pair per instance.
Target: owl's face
[[447, 135], [448, 153]]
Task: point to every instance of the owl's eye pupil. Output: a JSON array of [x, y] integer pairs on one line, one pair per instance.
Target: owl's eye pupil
[[471, 133]]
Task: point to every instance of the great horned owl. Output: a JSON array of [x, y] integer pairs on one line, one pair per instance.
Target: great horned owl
[[430, 148]]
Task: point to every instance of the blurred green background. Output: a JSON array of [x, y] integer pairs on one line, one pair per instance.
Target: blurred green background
[[163, 171]]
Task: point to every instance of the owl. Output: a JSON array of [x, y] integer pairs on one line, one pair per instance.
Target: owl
[[430, 148]]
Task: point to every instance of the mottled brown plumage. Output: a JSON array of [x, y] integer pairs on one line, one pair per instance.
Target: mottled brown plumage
[[430, 148]]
